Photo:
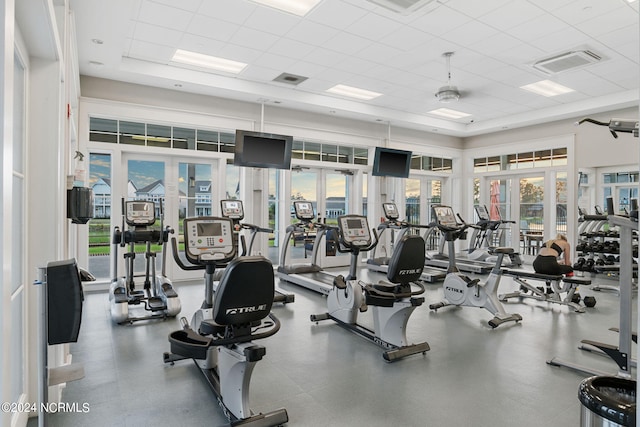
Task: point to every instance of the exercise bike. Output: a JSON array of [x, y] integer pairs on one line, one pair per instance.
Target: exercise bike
[[157, 296], [220, 337], [461, 290], [391, 302]]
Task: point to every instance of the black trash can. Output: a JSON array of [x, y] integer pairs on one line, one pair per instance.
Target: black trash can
[[607, 401]]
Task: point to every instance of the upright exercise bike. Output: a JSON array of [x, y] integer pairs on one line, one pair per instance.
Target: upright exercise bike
[[460, 289], [391, 302], [220, 337], [157, 295]]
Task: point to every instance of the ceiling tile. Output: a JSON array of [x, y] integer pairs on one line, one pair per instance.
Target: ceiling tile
[[324, 57], [537, 27], [274, 61], [248, 37], [201, 45], [475, 9], [188, 5], [440, 21], [212, 28], [164, 16], [608, 22], [312, 33], [584, 10], [511, 15], [236, 11], [373, 26], [151, 51], [158, 35], [346, 43], [291, 48], [336, 14], [472, 32], [271, 21], [406, 38]]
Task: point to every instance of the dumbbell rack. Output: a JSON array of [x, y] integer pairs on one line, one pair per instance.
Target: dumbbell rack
[[598, 249]]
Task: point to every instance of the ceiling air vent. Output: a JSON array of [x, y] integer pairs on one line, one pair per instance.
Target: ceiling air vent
[[290, 79], [403, 7], [567, 61]]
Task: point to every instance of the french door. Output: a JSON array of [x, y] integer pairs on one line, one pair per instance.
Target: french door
[[328, 191], [180, 187]]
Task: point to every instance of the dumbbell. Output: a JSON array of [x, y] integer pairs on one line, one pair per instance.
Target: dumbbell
[[588, 265], [589, 301], [579, 264], [576, 298]]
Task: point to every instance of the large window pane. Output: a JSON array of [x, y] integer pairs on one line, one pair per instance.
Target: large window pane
[[99, 226], [184, 138], [561, 202], [132, 133], [233, 181], [532, 204], [158, 136], [207, 140], [412, 197], [103, 130], [345, 154]]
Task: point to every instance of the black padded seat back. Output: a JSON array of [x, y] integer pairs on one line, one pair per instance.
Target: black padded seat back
[[245, 292], [407, 262]]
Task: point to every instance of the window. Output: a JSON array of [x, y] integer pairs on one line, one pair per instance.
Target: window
[[525, 160]]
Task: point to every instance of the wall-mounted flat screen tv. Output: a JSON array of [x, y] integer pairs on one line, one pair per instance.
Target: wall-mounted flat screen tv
[[391, 162], [262, 150]]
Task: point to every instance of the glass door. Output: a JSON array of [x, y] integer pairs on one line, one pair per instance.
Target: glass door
[[304, 186], [501, 208], [334, 202], [532, 213], [180, 187], [145, 181]]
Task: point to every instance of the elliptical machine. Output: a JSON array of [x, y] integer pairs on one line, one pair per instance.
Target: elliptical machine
[[220, 337], [392, 303], [460, 289], [234, 210], [157, 295]]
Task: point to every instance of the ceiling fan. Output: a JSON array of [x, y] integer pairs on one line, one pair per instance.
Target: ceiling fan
[[448, 93]]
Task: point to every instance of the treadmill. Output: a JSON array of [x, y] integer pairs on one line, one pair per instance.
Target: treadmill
[[479, 248], [381, 263], [441, 260], [310, 276]]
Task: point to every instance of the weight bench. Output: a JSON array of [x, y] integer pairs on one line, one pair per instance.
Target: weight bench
[[555, 286]]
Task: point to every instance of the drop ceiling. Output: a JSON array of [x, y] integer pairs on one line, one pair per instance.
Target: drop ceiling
[[359, 43]]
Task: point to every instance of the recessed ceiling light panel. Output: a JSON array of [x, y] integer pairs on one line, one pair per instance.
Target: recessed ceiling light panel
[[353, 92], [207, 61], [297, 7], [449, 113], [547, 88]]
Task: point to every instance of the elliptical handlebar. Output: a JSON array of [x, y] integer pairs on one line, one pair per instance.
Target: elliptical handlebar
[[256, 228], [182, 265]]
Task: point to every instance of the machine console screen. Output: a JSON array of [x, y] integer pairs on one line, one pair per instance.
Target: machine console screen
[[483, 215], [208, 237], [445, 216], [355, 230], [303, 210], [390, 211], [140, 212], [232, 209]]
